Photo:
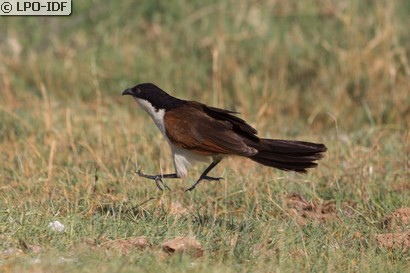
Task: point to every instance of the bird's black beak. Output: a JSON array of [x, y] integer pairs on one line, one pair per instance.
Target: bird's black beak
[[127, 92]]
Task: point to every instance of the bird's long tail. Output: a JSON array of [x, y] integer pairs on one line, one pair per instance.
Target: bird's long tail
[[288, 155]]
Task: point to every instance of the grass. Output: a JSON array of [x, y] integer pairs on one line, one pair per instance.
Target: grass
[[331, 72]]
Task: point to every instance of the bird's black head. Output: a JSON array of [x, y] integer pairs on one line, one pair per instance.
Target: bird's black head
[[151, 93]]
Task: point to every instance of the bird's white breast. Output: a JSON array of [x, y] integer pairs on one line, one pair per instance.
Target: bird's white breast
[[183, 158]]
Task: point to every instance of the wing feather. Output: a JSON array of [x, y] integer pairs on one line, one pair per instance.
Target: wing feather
[[190, 128], [239, 125]]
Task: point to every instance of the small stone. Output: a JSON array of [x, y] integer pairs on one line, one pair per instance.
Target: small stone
[[183, 244], [56, 226]]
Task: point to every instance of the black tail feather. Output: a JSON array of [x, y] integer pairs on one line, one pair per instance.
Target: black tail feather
[[289, 155]]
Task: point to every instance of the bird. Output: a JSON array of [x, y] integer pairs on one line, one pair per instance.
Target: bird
[[197, 133]]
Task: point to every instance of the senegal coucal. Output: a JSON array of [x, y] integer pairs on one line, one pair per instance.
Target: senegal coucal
[[197, 132]]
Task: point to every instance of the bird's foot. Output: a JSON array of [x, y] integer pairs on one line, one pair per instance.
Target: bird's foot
[[209, 178], [157, 178]]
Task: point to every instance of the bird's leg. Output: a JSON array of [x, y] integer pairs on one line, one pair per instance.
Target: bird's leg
[[158, 178], [205, 177]]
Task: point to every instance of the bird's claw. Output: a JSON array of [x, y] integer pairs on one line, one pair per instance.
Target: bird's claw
[[209, 178], [156, 178]]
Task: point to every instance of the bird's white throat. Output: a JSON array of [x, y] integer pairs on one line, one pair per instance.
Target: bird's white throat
[[156, 115]]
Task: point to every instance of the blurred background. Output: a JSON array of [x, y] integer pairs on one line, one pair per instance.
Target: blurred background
[[335, 72], [283, 64], [331, 71]]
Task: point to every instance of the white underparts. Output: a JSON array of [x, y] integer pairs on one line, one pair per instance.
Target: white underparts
[[183, 158]]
